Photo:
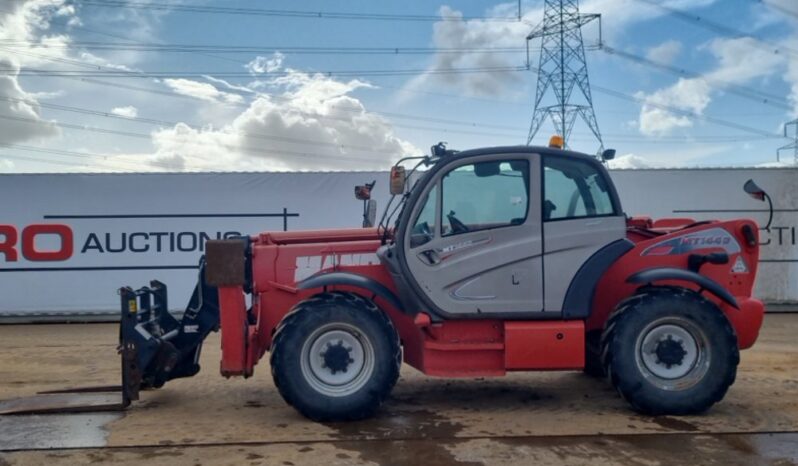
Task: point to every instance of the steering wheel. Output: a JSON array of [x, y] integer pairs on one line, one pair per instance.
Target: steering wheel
[[421, 234], [423, 229], [456, 224]]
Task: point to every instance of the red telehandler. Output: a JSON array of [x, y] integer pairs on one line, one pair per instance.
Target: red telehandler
[[499, 259]]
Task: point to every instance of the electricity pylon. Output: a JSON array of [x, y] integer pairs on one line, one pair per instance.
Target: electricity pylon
[[562, 68], [793, 146]]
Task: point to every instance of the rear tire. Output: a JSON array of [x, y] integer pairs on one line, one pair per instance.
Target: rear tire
[[669, 350], [335, 357]]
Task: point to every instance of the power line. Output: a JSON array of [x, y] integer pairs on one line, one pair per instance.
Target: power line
[[786, 11], [686, 113], [280, 98], [189, 8], [231, 147], [149, 47], [246, 74], [719, 28], [611, 92], [742, 91], [158, 122], [600, 89], [41, 160]]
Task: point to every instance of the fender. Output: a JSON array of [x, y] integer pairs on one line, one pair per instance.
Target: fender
[[579, 297], [351, 279], [670, 273]]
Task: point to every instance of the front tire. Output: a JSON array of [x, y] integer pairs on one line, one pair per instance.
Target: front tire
[[335, 357], [670, 351]]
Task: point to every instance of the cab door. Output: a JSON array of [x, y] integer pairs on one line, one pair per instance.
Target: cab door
[[473, 244], [581, 215]]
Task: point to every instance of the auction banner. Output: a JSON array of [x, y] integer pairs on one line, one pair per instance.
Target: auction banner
[[68, 242]]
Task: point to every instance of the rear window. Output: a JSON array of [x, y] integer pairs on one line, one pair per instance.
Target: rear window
[[574, 189]]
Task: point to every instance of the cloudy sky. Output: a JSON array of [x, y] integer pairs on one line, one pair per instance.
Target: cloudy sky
[[153, 85]]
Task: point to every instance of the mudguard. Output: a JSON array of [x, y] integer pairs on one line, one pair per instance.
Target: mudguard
[[671, 273], [351, 279]]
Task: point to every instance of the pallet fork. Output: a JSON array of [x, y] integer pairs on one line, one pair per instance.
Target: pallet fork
[[154, 348]]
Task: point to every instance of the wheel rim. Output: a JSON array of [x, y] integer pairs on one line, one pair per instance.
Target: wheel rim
[[672, 353], [337, 359]]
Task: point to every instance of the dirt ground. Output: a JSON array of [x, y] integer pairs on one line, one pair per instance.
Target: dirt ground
[[533, 418]]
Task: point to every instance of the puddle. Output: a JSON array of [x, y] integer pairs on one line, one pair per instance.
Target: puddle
[[704, 449], [427, 429], [397, 425], [671, 423], [36, 432]]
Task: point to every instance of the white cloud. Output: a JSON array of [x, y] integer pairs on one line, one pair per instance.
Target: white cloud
[[20, 105], [27, 22], [6, 166], [128, 111], [202, 91], [314, 124], [665, 52], [45, 95], [266, 64], [456, 33], [690, 95], [782, 164], [628, 161], [92, 59], [740, 61], [232, 87]]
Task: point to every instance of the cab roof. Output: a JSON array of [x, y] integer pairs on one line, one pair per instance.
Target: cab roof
[[525, 150]]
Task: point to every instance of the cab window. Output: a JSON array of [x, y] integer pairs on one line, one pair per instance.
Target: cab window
[[574, 189], [424, 228], [484, 195]]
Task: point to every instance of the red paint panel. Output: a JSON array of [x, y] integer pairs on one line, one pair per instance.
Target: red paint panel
[[544, 345], [233, 318], [459, 348], [747, 320]]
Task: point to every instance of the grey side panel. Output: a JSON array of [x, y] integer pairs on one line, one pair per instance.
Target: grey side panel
[[669, 273], [351, 279], [569, 244], [579, 298]]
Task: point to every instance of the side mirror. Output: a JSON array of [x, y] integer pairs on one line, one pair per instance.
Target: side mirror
[[370, 215], [398, 180], [759, 194], [754, 190], [363, 193], [608, 154]]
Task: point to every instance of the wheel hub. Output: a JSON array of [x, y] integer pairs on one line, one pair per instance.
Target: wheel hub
[[670, 352], [336, 357]]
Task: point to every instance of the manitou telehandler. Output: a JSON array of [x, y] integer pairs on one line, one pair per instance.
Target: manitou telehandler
[[500, 259]]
